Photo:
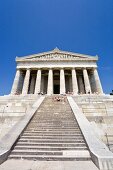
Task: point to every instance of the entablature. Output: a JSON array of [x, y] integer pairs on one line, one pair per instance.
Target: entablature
[[57, 65]]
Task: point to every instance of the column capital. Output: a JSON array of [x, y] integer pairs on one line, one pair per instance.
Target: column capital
[[28, 69], [39, 69], [84, 68], [94, 68], [61, 68], [50, 68]]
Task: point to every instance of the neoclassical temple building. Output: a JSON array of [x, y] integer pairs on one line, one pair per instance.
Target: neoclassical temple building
[[57, 72], [57, 128]]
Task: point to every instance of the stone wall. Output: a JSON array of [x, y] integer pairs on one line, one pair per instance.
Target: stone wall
[[12, 109], [99, 111]]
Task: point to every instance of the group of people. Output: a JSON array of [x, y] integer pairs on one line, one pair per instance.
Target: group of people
[[59, 99]]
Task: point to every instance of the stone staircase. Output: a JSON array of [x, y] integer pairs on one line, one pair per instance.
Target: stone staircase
[[52, 134]]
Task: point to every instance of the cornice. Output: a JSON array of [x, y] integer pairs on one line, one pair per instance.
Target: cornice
[[55, 60], [56, 55]]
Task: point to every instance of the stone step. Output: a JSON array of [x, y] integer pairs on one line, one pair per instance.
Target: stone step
[[58, 125], [54, 121], [50, 158], [55, 113], [50, 135], [74, 153], [49, 148], [33, 152], [52, 141], [54, 127], [57, 107], [19, 143], [55, 117], [54, 130], [49, 131], [55, 110], [55, 124], [54, 133], [55, 137]]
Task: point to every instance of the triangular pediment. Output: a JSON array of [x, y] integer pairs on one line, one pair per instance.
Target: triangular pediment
[[56, 54]]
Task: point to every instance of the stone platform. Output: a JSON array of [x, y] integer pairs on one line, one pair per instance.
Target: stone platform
[[98, 109], [44, 165], [94, 107]]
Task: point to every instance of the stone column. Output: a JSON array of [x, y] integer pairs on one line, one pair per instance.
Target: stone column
[[62, 82], [50, 82], [81, 85], [86, 81], [14, 89], [26, 82], [38, 82], [32, 84], [74, 81], [92, 82], [42, 84], [70, 84], [97, 82], [21, 81]]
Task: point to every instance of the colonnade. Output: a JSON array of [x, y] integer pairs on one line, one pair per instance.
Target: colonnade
[[87, 82]]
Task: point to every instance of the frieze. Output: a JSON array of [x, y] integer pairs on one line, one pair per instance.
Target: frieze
[[52, 64]]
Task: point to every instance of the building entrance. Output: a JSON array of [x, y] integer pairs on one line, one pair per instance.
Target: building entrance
[[56, 89], [56, 82]]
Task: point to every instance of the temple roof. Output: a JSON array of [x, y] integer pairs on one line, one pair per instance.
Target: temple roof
[[56, 55]]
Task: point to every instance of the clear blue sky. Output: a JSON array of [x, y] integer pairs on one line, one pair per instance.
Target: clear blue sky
[[33, 26]]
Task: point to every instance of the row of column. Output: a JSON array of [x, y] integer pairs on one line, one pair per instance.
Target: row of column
[[87, 85]]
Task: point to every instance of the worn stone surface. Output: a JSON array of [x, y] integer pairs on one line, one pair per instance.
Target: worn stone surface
[[99, 111], [52, 134], [9, 139], [100, 153], [12, 109], [44, 165]]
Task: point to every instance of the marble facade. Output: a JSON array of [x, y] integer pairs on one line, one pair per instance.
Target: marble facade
[[57, 72]]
